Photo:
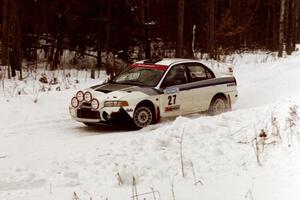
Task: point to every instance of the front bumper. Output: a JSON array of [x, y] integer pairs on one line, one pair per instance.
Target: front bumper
[[103, 115]]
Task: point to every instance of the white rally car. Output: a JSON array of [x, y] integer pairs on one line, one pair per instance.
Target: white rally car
[[153, 89]]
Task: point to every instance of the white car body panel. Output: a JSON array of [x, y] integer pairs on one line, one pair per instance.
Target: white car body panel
[[171, 103]]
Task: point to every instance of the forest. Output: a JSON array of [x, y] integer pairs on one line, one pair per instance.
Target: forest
[[139, 29]]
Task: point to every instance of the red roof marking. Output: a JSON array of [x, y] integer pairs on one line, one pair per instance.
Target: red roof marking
[[158, 67]]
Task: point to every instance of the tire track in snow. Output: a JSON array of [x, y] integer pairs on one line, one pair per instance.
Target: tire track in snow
[[42, 124]]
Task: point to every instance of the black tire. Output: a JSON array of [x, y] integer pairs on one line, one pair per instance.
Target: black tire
[[143, 116], [218, 105]]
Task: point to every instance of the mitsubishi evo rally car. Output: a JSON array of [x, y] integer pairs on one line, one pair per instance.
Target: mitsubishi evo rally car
[[153, 89]]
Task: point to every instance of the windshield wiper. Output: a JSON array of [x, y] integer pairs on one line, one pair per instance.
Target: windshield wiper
[[132, 82]]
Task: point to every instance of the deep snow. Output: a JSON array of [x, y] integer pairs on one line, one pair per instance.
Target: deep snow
[[45, 155]]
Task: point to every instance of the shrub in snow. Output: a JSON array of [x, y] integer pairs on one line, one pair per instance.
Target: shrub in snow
[[292, 121], [43, 78], [126, 173], [75, 197], [275, 129]]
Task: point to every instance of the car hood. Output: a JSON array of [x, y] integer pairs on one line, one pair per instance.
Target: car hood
[[111, 91], [110, 87]]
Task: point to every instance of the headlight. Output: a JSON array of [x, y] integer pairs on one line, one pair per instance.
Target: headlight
[[115, 103], [95, 104], [87, 96], [74, 102], [79, 96]]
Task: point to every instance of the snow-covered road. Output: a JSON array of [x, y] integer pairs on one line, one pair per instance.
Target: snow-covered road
[[266, 83], [45, 155]]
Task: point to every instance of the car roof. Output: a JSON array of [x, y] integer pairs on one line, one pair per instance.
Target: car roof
[[171, 61], [167, 61]]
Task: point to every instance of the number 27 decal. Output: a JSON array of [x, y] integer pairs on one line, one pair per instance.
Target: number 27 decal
[[172, 99]]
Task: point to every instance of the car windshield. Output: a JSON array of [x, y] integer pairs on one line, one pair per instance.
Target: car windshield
[[139, 76]]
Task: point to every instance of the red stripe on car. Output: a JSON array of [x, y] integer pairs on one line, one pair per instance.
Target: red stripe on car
[[158, 67]]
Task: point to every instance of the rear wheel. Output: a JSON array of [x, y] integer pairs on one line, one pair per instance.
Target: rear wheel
[[142, 117], [218, 105]]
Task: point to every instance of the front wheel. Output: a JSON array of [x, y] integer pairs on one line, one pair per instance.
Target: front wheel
[[218, 105], [142, 117]]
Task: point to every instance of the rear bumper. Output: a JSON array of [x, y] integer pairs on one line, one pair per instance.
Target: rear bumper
[[232, 96]]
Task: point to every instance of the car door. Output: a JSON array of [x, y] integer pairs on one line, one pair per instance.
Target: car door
[[175, 100], [200, 78]]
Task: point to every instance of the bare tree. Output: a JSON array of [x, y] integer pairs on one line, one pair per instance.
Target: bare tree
[[99, 45], [275, 32], [108, 24], [269, 25], [15, 30], [146, 4], [297, 22], [290, 17], [57, 49], [211, 28], [180, 28], [281, 28], [4, 33]]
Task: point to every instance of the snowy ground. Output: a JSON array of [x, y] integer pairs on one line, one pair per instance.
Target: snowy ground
[[45, 155]]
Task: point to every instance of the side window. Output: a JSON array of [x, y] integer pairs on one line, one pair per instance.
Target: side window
[[198, 73], [176, 76]]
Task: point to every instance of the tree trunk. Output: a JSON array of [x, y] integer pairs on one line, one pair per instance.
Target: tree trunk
[[108, 38], [36, 33], [269, 25], [57, 51], [99, 46], [293, 20], [147, 29], [211, 28], [15, 24], [60, 34], [142, 20], [297, 35], [275, 32], [290, 44], [281, 28], [108, 24], [180, 28], [287, 26], [4, 33], [51, 53]]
